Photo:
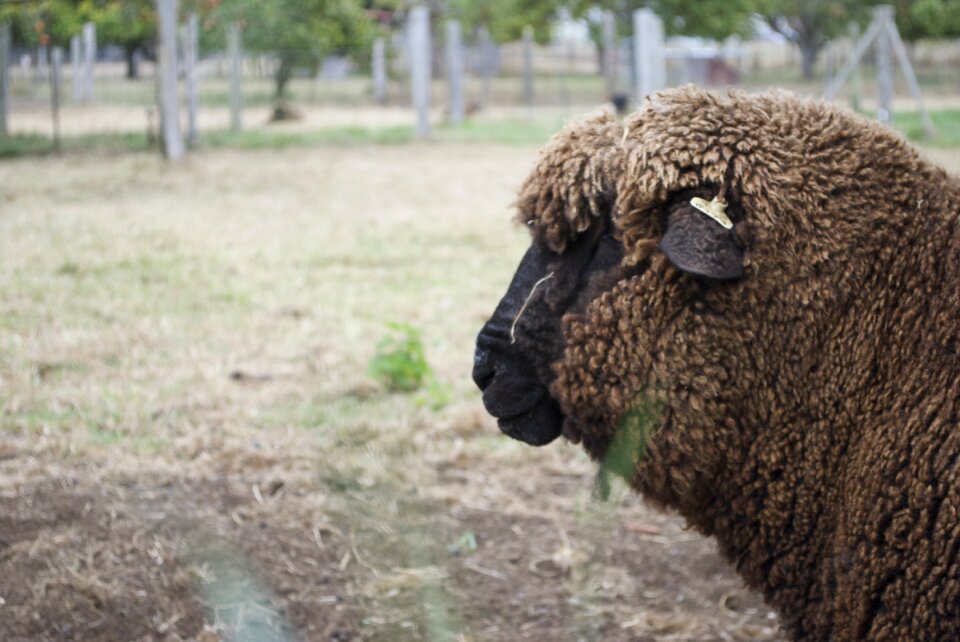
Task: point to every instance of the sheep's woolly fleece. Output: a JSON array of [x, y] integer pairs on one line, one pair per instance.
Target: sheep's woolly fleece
[[809, 410]]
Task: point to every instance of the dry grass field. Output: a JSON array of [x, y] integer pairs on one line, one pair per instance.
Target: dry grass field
[[191, 446]]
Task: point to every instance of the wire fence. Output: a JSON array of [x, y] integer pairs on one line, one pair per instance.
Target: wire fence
[[500, 80]]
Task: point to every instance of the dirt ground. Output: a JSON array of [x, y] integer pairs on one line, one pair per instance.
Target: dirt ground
[[191, 447]]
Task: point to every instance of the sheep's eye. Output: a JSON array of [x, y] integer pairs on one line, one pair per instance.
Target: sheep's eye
[[530, 222]]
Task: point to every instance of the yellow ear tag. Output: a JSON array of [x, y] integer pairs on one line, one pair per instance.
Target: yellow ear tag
[[715, 209]]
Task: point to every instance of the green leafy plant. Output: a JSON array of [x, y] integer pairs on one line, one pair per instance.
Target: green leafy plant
[[626, 449], [466, 544], [400, 361]]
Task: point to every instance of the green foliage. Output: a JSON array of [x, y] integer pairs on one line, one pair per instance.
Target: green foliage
[[706, 18], [813, 23], [400, 361], [45, 22], [506, 19], [300, 32], [14, 145], [466, 544], [626, 448], [129, 23], [928, 18]]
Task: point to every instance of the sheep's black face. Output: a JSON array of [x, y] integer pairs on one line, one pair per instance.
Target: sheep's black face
[[518, 345]]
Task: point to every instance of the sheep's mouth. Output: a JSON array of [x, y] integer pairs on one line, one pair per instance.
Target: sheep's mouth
[[521, 404], [537, 426], [527, 413]]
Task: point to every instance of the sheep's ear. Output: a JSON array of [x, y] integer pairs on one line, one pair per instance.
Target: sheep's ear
[[698, 245]]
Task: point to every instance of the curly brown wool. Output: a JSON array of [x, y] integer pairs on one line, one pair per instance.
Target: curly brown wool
[[574, 180], [809, 410]]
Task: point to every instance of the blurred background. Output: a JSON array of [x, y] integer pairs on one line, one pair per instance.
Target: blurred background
[[245, 248]]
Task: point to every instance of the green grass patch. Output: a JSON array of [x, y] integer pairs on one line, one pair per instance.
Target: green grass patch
[[507, 132], [14, 145], [279, 139], [19, 145], [99, 436], [946, 122]]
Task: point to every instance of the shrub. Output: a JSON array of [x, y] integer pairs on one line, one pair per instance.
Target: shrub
[[399, 361]]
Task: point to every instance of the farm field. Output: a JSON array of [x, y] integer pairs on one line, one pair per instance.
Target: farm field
[[192, 446]]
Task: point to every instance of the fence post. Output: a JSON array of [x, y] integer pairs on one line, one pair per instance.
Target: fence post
[[56, 85], [609, 27], [528, 66], [4, 76], [418, 34], [170, 137], [234, 45], [566, 70], [379, 69], [455, 71], [881, 14], [650, 64], [43, 61], [76, 75], [486, 66], [855, 84], [89, 60], [191, 45]]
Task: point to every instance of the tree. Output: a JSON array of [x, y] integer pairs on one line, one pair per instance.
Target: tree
[[132, 24], [299, 32], [716, 19], [928, 18], [505, 20], [43, 22], [811, 24]]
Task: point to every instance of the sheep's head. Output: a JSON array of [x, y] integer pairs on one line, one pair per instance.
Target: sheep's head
[[629, 292], [519, 351]]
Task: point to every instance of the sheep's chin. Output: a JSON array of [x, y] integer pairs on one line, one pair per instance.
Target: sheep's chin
[[538, 426]]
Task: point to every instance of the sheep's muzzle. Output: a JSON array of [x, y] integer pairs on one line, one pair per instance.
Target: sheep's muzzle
[[518, 347], [505, 369]]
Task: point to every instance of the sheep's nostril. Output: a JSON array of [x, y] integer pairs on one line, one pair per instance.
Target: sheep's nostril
[[483, 370]]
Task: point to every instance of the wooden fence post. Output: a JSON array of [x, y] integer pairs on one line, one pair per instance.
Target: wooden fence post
[[650, 64], [170, 137], [855, 83], [485, 46], [4, 77], [56, 83], [418, 34], [379, 69], [191, 45], [234, 46], [455, 71], [884, 64], [610, 52], [76, 73], [89, 60], [528, 66]]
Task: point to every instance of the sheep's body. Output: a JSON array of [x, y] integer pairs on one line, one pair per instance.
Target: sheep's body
[[810, 409]]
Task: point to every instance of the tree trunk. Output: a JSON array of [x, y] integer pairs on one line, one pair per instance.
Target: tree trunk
[[133, 61], [284, 73], [808, 57], [283, 110]]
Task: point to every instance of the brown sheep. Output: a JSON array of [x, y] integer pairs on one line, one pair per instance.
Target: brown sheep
[[789, 385]]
